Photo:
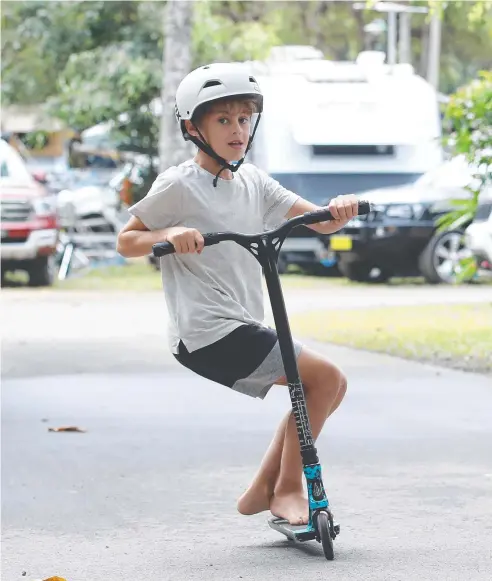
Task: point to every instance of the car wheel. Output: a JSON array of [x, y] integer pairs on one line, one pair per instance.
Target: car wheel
[[42, 271], [441, 260], [363, 272]]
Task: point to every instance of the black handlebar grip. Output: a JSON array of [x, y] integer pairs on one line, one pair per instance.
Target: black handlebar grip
[[364, 207], [163, 248], [325, 214]]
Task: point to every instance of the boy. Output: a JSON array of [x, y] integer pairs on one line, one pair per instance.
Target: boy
[[214, 295]]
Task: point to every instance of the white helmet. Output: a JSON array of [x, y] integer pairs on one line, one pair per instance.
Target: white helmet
[[209, 83], [212, 82]]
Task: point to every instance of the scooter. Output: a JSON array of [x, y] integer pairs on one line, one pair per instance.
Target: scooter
[[265, 247]]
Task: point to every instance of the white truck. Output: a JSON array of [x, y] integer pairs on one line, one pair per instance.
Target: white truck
[[333, 128]]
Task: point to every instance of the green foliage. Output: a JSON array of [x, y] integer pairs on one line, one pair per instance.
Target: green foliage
[[107, 84], [466, 43], [35, 139], [95, 60], [90, 62], [39, 37], [221, 34], [469, 113]]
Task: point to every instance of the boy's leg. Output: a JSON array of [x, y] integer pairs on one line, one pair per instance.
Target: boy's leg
[[259, 494], [281, 468]]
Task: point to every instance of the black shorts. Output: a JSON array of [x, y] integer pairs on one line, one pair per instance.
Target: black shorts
[[247, 360]]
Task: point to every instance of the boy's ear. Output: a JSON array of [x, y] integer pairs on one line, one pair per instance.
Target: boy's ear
[[190, 128]]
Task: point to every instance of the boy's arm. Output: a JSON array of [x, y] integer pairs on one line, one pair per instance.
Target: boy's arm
[[135, 239], [343, 209]]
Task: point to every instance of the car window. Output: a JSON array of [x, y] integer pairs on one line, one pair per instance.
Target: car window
[[12, 166]]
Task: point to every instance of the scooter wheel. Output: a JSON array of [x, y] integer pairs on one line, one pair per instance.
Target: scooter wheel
[[323, 525]]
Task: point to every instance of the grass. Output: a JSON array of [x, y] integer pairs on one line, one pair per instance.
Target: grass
[[138, 275], [134, 276], [458, 336]]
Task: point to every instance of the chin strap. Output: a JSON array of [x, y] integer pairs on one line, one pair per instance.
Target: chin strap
[[216, 178], [205, 147]]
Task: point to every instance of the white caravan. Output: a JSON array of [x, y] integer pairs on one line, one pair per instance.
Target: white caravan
[[341, 127]]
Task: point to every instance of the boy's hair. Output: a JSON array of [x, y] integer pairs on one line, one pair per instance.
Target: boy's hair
[[202, 110]]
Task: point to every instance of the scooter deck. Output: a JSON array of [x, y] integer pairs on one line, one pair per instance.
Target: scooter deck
[[299, 533]]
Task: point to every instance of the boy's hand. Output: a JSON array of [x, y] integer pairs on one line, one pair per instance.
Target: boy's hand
[[343, 209], [185, 240]]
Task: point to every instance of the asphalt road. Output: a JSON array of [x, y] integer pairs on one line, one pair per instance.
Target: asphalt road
[[148, 491]]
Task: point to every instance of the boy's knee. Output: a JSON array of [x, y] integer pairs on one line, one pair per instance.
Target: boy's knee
[[342, 390], [327, 378]]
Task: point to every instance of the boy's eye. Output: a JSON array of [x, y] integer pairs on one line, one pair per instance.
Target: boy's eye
[[223, 120], [244, 120]]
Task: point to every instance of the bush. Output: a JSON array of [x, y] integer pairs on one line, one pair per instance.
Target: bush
[[469, 114]]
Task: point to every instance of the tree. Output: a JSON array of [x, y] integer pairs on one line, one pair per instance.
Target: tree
[[64, 52], [176, 63], [90, 62], [233, 31], [39, 38], [109, 84]]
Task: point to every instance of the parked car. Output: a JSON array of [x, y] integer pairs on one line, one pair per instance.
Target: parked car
[[88, 198], [399, 237], [29, 225], [478, 235]]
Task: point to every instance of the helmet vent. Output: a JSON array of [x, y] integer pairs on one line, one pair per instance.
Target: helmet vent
[[252, 80], [211, 84]]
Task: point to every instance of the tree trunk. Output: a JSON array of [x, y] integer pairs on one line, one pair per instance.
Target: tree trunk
[[176, 63]]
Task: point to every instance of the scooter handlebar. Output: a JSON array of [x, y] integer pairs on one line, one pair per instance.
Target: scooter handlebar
[[164, 248], [324, 215]]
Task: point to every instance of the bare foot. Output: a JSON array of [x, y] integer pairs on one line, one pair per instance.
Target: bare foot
[[292, 506], [256, 499]]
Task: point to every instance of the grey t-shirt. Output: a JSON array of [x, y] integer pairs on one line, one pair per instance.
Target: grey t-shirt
[[208, 295]]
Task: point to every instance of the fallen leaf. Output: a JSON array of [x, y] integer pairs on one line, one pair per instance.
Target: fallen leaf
[[55, 579], [65, 429]]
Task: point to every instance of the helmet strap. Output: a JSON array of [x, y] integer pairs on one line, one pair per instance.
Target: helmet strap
[[206, 148]]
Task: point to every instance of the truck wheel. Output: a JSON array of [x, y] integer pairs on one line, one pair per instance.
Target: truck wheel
[[363, 272], [440, 261], [42, 271]]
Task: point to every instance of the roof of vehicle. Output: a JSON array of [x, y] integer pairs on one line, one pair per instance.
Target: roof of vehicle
[[447, 180]]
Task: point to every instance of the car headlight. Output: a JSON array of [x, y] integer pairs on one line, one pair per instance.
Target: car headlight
[[404, 211]]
